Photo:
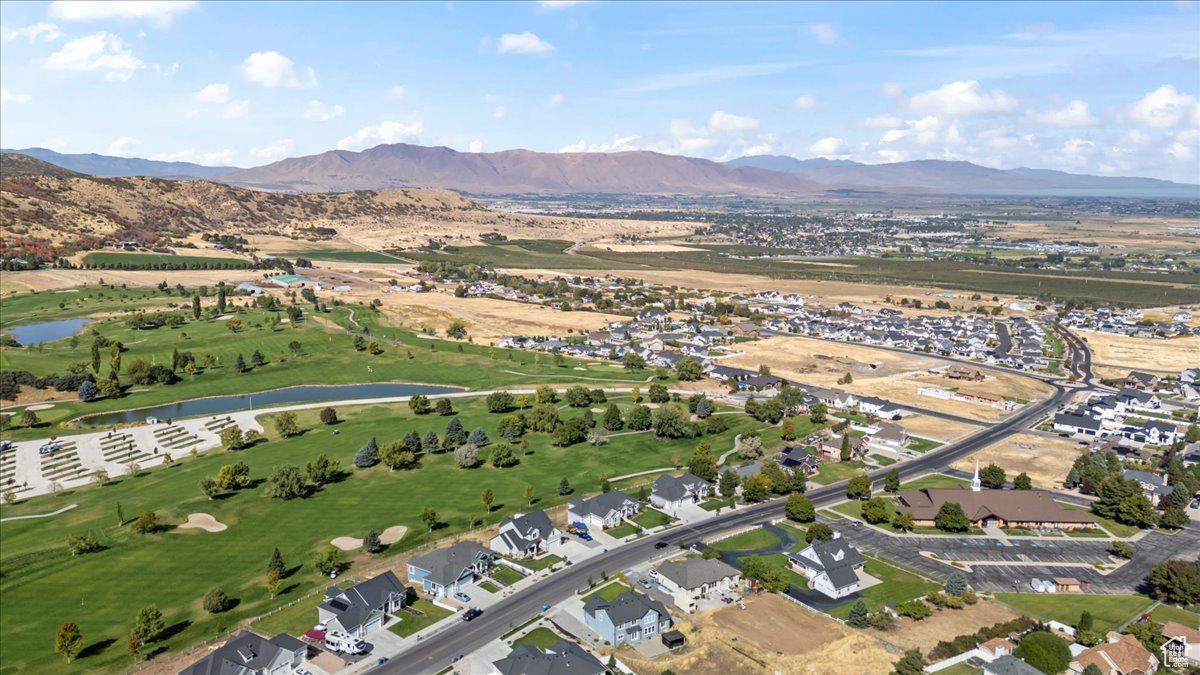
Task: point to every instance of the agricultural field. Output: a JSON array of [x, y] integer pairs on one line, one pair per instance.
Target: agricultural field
[[36, 564], [367, 257], [161, 261]]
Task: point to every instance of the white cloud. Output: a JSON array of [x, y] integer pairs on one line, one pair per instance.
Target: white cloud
[[388, 131], [38, 32], [7, 97], [100, 51], [317, 111], [927, 131], [882, 122], [721, 121], [272, 69], [1137, 137], [160, 11], [500, 112], [824, 33], [273, 151], [1074, 114], [962, 98], [1076, 152], [560, 4], [829, 147], [397, 92], [1166, 107], [523, 43], [475, 146], [618, 144], [708, 76], [891, 156], [123, 146], [555, 99], [217, 158], [805, 102], [891, 89], [236, 109], [1184, 147], [213, 93]]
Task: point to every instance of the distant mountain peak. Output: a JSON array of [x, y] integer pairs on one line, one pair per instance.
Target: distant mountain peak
[[115, 167]]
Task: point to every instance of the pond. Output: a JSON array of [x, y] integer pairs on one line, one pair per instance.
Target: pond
[[217, 405], [48, 331]]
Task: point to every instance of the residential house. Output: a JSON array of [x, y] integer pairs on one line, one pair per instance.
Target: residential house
[[1139, 380], [364, 607], [605, 510], [560, 658], [251, 654], [627, 618], [1154, 485], [1009, 665], [694, 579], [795, 458], [831, 446], [889, 436], [995, 648], [870, 405], [444, 570], [1077, 425], [672, 492], [832, 566], [957, 372], [526, 535], [1118, 655]]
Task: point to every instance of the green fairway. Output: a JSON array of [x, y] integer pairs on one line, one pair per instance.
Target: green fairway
[[160, 261], [898, 585], [750, 540], [1108, 611], [108, 587]]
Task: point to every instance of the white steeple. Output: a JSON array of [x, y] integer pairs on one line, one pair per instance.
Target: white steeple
[[975, 482]]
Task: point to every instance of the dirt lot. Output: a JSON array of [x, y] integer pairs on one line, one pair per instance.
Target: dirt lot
[[1046, 460], [1164, 356], [936, 428], [945, 624], [810, 644], [1128, 233], [54, 279]]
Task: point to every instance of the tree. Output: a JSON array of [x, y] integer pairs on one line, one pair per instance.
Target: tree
[[640, 418], [952, 518], [328, 416], [659, 393], [419, 404], [478, 437], [215, 601], [276, 563], [528, 495], [578, 397], [704, 408], [859, 487], [545, 394], [88, 391], [487, 497], [891, 482], [729, 483], [257, 358], [818, 532], [133, 645], [564, 487], [233, 476], [992, 476], [511, 427], [68, 641], [367, 455], [500, 402], [286, 482], [956, 584], [771, 577], [209, 487], [120, 515], [430, 442], [860, 616], [799, 508], [1136, 510], [329, 561], [703, 463], [914, 609], [323, 470], [234, 325], [689, 369], [787, 430], [1176, 581], [1173, 518], [910, 663], [1045, 651], [756, 488], [1086, 622], [455, 433], [844, 453], [633, 361], [504, 456], [612, 418], [285, 424], [371, 543], [146, 523], [903, 522], [148, 624], [1111, 492], [79, 544], [443, 407], [96, 357], [196, 307], [817, 414], [750, 446], [1022, 482], [876, 511], [232, 438], [29, 418], [1121, 550], [457, 330], [429, 517], [466, 456], [570, 432], [272, 582]]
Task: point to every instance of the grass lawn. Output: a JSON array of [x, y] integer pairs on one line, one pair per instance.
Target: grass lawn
[[832, 472], [898, 585], [539, 637], [854, 507], [751, 540], [541, 563], [829, 513], [933, 480], [505, 575], [623, 530], [608, 591], [409, 624], [923, 444], [649, 518], [797, 531], [294, 619], [883, 460], [780, 560], [961, 669], [1114, 528], [1165, 613], [1109, 611], [716, 503], [489, 586]]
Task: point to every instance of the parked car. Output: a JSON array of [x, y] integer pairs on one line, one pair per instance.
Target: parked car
[[472, 613], [1196, 503], [653, 572], [462, 597], [645, 583], [661, 544], [7, 445], [579, 526], [48, 448]]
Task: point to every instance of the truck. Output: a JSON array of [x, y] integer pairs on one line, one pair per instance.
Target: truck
[[344, 643]]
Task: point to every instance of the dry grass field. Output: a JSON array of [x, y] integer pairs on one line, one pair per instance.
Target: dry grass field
[[1165, 356], [936, 428], [945, 624], [56, 279], [1046, 460], [1116, 234]]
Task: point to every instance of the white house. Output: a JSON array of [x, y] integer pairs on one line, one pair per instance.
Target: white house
[[604, 510], [832, 566], [889, 436], [526, 535], [694, 579], [444, 570], [672, 492]]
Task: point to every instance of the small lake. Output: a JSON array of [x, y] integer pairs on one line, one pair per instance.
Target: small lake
[[266, 399], [49, 331]]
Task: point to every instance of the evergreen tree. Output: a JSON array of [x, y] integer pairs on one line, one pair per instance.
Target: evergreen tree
[[891, 482], [430, 443], [257, 358], [455, 433], [367, 455], [240, 364], [196, 307], [860, 616], [1022, 482], [371, 543], [564, 487], [276, 563]]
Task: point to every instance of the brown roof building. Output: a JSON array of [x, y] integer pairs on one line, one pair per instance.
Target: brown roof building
[[1121, 655], [1031, 509]]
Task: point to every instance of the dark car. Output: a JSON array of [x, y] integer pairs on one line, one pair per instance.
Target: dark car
[[472, 613], [661, 544]]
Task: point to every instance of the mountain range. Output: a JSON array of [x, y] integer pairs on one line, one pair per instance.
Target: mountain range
[[638, 172]]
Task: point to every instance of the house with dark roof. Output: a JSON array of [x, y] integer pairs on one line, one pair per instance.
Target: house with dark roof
[[251, 654], [526, 535], [626, 619], [444, 570], [1154, 485], [605, 510], [796, 458], [560, 658], [364, 607], [672, 492], [1077, 425], [832, 566], [1139, 380], [693, 579], [1009, 665], [831, 446], [889, 436]]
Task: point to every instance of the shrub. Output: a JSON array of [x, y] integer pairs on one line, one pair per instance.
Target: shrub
[[215, 601], [1044, 651]]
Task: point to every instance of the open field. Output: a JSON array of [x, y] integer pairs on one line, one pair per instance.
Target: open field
[[1164, 356], [1165, 613], [1109, 611], [945, 624], [1117, 234], [937, 428], [37, 566], [1046, 460]]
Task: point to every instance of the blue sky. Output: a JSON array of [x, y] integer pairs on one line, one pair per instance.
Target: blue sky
[[1108, 88]]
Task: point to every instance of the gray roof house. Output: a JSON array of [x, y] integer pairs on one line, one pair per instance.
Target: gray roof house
[[251, 654], [443, 570], [364, 607], [1009, 665], [560, 658], [526, 535], [672, 492], [831, 566], [627, 618], [607, 509], [696, 578]]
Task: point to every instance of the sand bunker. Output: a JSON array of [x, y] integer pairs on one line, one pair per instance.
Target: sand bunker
[[346, 543], [202, 521], [388, 537], [40, 406]]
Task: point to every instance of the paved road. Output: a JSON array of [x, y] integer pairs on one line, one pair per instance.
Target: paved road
[[436, 652]]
